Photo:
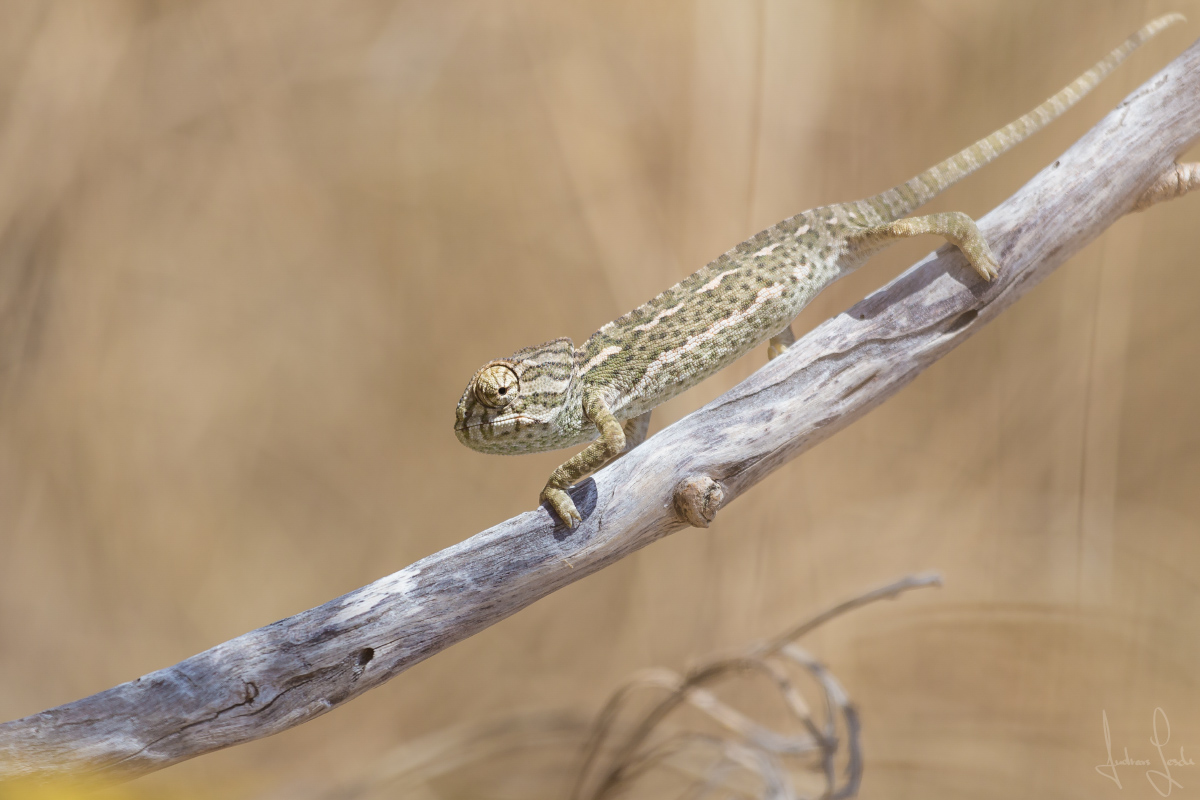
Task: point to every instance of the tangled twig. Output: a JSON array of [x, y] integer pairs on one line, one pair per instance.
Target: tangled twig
[[618, 756]]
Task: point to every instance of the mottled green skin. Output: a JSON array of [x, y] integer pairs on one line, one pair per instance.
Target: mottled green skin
[[647, 356], [715, 315], [568, 396]]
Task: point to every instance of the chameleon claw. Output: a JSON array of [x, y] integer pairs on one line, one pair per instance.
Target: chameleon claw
[[982, 259], [563, 506], [988, 270]]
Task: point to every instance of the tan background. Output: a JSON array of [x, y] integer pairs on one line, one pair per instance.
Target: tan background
[[250, 253]]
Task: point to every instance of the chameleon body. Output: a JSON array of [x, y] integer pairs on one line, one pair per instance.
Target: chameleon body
[[556, 395]]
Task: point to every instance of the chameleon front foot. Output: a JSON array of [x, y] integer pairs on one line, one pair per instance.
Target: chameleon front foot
[[562, 504], [590, 459]]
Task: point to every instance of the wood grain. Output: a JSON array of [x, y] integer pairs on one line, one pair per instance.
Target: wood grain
[[286, 673]]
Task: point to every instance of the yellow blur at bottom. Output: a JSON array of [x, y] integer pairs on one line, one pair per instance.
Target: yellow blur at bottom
[[91, 790]]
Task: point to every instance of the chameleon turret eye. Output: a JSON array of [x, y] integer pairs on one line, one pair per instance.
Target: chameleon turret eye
[[496, 386]]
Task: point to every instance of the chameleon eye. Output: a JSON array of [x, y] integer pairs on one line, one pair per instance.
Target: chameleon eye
[[496, 386]]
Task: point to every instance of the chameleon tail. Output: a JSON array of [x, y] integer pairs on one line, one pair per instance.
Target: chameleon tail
[[910, 195]]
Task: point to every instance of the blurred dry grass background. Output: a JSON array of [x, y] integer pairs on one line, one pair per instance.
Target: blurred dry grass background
[[250, 253]]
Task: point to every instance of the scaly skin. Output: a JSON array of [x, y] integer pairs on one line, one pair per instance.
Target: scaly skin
[[555, 395]]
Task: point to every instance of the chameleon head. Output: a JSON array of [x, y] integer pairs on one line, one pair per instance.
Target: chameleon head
[[512, 405]]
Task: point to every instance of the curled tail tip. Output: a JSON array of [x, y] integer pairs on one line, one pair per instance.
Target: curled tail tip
[[917, 191], [1160, 23], [1153, 28]]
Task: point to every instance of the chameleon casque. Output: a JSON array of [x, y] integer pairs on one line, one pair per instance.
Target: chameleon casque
[[556, 395]]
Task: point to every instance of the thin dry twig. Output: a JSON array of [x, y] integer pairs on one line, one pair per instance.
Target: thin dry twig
[[882, 593], [617, 757]]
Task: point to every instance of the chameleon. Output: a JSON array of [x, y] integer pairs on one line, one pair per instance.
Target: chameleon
[[556, 395]]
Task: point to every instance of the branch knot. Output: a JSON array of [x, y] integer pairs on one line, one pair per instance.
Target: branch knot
[[698, 499]]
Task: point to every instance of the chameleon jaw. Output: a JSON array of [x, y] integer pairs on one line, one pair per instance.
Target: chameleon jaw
[[502, 436]]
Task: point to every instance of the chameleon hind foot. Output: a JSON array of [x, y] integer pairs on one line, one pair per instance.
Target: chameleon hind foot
[[780, 342], [954, 226]]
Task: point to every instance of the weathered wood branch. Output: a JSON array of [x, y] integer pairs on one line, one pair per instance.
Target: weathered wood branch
[[287, 673]]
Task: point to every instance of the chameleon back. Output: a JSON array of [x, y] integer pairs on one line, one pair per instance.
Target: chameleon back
[[714, 316]]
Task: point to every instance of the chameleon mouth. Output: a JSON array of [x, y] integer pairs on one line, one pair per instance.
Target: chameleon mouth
[[506, 423]]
